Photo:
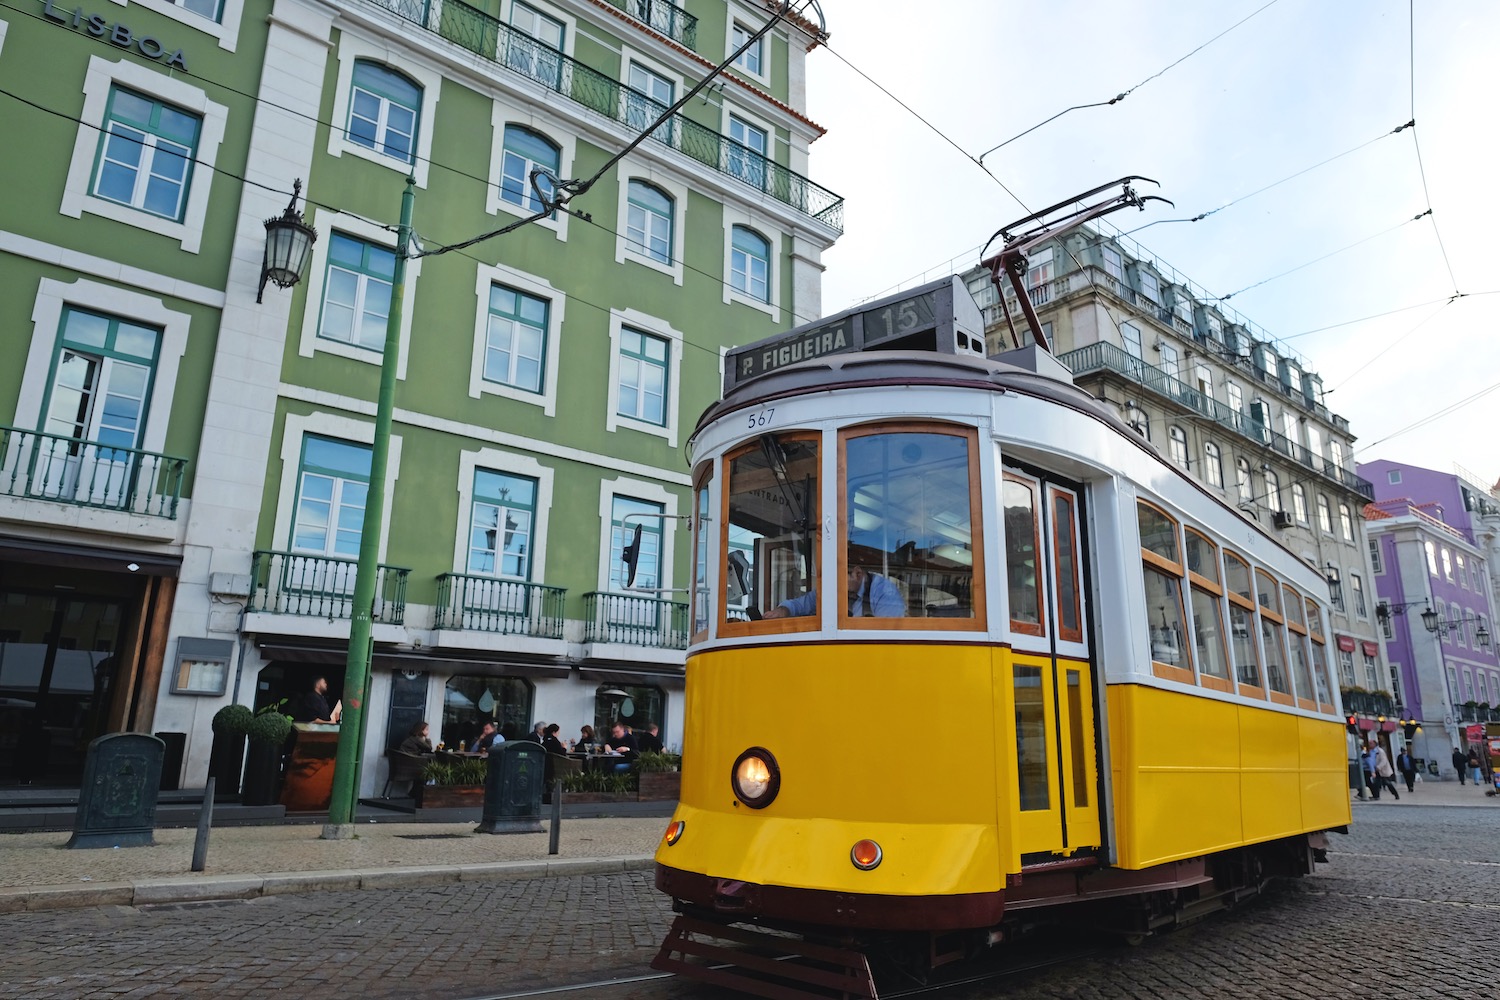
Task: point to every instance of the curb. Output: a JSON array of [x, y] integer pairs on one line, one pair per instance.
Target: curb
[[207, 888]]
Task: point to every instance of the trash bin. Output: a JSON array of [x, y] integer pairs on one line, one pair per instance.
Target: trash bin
[[117, 800], [513, 788], [171, 760]]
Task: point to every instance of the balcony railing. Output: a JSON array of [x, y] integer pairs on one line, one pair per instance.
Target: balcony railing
[[505, 607], [1107, 357], [674, 22], [635, 621], [313, 586], [493, 39], [1373, 703], [39, 466]]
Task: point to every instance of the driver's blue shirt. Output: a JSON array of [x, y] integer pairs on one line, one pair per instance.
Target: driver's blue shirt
[[885, 600]]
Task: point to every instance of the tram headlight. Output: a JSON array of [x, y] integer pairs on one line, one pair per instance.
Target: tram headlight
[[756, 778]]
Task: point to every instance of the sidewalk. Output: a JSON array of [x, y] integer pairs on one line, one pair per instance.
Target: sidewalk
[[38, 873], [1433, 793]]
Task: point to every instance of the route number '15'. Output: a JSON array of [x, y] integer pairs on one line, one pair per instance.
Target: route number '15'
[[762, 418]]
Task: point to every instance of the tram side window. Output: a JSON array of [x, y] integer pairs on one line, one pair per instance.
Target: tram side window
[[1297, 644], [770, 529], [1022, 565], [909, 523], [1272, 634], [1208, 612], [1242, 622], [701, 544], [1163, 570], [1319, 654]]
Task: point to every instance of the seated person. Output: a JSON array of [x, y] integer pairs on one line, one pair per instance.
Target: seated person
[[416, 741], [550, 740], [487, 737], [870, 596], [650, 740], [586, 741], [623, 743]]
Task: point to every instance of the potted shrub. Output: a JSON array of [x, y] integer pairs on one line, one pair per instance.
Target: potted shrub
[[599, 786], [226, 761], [452, 784], [267, 732], [661, 776]]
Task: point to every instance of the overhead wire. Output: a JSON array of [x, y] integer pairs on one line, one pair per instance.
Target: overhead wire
[[1318, 260], [1416, 144]]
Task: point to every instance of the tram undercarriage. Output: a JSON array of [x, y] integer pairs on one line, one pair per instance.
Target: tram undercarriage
[[716, 941]]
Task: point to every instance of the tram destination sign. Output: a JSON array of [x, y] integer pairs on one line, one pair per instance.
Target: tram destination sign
[[940, 316]]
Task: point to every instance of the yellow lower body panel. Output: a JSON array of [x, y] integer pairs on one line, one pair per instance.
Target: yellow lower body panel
[[1193, 775]]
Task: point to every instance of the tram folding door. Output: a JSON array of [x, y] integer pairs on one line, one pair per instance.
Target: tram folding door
[[1052, 680]]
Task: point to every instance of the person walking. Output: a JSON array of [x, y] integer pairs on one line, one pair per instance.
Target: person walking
[[1407, 765], [1460, 764], [1380, 767], [1475, 771]]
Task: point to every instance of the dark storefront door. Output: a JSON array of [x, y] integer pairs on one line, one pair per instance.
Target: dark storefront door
[[58, 672]]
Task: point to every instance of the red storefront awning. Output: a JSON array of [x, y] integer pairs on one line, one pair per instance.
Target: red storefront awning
[[1371, 649], [1346, 643]]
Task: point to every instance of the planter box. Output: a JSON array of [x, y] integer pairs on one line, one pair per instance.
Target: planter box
[[450, 796], [661, 786]]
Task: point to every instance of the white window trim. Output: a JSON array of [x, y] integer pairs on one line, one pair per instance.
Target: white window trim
[[754, 21], [496, 460], [624, 248], [570, 23], [335, 426], [613, 420], [46, 317], [353, 48], [226, 30], [503, 114], [733, 217], [629, 55], [310, 343], [4, 26], [77, 199], [556, 304], [635, 489]]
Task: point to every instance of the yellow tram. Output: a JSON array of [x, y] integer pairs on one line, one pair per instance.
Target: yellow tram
[[966, 647]]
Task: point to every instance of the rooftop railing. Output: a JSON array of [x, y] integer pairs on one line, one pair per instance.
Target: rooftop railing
[[635, 621], [493, 39], [38, 466], [667, 19], [315, 586], [504, 607]]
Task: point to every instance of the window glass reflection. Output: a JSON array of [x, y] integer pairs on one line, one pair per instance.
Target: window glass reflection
[[771, 533]]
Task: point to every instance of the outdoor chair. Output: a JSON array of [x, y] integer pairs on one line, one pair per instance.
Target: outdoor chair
[[404, 767]]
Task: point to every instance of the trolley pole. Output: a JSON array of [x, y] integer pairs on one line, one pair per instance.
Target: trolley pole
[[341, 807]]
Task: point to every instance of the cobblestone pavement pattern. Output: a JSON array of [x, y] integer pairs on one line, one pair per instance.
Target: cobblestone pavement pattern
[[1410, 906]]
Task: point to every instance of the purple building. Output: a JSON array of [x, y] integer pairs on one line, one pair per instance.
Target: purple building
[[1429, 535]]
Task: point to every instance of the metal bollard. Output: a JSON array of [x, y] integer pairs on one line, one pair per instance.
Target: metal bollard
[[205, 820], [556, 817]]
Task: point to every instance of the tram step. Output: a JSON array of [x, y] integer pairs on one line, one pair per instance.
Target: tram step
[[763, 964]]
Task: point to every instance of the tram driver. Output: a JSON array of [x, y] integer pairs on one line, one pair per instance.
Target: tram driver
[[871, 595]]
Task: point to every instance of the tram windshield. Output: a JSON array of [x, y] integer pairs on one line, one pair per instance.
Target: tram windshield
[[772, 516]]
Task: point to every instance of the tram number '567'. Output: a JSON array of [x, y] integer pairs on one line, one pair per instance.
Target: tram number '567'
[[762, 418]]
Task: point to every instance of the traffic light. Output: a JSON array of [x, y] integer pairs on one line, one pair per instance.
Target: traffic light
[[1352, 723]]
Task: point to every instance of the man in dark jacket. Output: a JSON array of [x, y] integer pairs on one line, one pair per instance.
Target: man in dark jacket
[[1407, 765], [650, 740], [1460, 764]]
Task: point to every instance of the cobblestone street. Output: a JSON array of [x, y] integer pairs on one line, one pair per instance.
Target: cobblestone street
[[1410, 906]]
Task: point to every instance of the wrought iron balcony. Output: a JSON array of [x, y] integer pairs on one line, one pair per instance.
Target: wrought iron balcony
[[505, 607], [314, 586], [1107, 357], [37, 466], [493, 39], [674, 22], [1373, 703], [635, 621]]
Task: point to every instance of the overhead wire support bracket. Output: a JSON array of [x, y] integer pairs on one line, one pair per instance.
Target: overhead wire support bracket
[[1012, 258]]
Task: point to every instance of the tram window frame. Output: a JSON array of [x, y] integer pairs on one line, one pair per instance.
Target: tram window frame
[[1033, 488], [1169, 568], [700, 597], [977, 621], [1301, 671], [1273, 626], [1213, 593], [1244, 601], [1318, 641], [731, 628], [1069, 603]]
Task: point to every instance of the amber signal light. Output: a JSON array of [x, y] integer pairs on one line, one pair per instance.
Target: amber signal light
[[674, 832], [865, 854]]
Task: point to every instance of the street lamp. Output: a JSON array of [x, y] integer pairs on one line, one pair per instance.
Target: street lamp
[[1434, 623], [289, 241]]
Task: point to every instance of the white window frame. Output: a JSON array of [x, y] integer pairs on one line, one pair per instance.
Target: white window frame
[[52, 298], [625, 249], [226, 30], [755, 121], [503, 114], [353, 48], [1213, 464], [1377, 557], [1346, 523], [557, 302], [1114, 265], [1299, 503], [613, 419], [1177, 445], [752, 21], [635, 489], [512, 463], [295, 427], [309, 343], [733, 217], [1325, 515], [101, 77]]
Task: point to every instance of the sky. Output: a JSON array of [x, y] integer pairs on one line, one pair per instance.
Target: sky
[[1297, 83]]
